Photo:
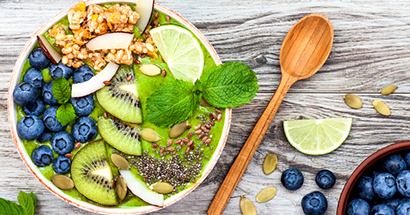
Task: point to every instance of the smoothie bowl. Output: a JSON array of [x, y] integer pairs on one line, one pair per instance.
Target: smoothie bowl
[[90, 113]]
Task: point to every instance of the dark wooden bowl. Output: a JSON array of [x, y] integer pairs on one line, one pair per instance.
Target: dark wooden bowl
[[365, 165]]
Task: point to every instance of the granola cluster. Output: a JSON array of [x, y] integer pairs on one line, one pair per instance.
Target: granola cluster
[[87, 23]]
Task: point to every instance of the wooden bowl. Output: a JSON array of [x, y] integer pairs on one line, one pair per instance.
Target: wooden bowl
[[362, 168], [50, 186]]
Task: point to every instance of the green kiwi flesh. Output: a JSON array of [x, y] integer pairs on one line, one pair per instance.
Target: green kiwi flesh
[[92, 174], [121, 135], [120, 96]]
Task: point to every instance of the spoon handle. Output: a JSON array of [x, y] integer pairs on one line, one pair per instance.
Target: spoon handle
[[248, 150]]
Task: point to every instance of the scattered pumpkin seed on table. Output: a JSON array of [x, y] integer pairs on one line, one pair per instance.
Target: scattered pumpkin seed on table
[[150, 135], [120, 162], [389, 89], [270, 163], [353, 101], [266, 194], [381, 107], [247, 206], [162, 187]]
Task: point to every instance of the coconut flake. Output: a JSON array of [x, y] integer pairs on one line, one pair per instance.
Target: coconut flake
[[144, 8], [48, 50], [118, 40]]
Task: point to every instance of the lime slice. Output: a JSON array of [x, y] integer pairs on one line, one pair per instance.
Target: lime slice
[[317, 137], [180, 50]]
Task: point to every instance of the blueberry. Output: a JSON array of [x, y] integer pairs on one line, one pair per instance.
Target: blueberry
[[30, 127], [83, 106], [84, 129], [62, 165], [84, 73], [292, 179], [34, 77], [50, 119], [407, 158], [392, 202], [24, 93], [60, 70], [325, 179], [403, 183], [42, 156], [62, 143], [364, 188], [404, 207], [394, 164], [46, 136], [384, 185], [34, 108], [314, 203], [38, 60], [47, 93], [382, 209], [358, 207]]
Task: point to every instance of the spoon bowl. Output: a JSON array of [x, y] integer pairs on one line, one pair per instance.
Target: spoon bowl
[[304, 51]]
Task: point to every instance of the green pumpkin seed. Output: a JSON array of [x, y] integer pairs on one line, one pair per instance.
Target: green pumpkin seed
[[205, 103], [381, 107], [353, 101], [247, 206], [63, 182], [266, 194], [178, 129], [389, 89], [162, 187], [121, 187], [270, 163], [150, 69], [150, 135], [120, 162]]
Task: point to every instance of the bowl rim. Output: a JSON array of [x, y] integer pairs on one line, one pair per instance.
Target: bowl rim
[[12, 118], [358, 172]]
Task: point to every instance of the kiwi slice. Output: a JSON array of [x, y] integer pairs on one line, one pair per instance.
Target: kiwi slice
[[120, 97], [120, 135], [92, 174]]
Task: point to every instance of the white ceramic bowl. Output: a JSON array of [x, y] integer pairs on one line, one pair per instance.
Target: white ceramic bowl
[[32, 167]]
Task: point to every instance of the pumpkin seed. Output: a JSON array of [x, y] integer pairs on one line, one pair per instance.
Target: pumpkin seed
[[120, 162], [353, 101], [150, 135], [150, 69], [178, 129], [63, 182], [247, 206], [205, 103], [389, 89], [266, 194], [121, 187], [270, 163], [381, 107], [162, 187]]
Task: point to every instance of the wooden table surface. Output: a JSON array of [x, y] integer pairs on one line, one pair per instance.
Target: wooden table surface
[[371, 50]]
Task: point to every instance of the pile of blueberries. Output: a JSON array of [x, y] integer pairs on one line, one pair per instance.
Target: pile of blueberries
[[384, 190], [40, 107], [313, 203]]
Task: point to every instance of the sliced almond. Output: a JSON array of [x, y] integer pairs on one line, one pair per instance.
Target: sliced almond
[[353, 101], [150, 135], [247, 207], [162, 187], [178, 129], [266, 194], [120, 162], [389, 89], [270, 163], [63, 182], [150, 69], [381, 107]]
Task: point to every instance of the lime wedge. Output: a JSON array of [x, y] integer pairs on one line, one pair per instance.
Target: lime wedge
[[317, 137], [180, 50]]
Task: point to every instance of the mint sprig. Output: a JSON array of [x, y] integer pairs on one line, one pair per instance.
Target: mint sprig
[[61, 90], [65, 113], [229, 85], [27, 205], [172, 103]]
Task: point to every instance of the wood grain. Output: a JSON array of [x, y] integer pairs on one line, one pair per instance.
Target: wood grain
[[370, 51]]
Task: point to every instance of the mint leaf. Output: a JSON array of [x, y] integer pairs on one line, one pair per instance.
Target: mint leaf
[[10, 208], [229, 85], [65, 113], [61, 90], [27, 202], [172, 103]]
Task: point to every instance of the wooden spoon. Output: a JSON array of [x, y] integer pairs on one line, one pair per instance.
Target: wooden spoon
[[304, 51]]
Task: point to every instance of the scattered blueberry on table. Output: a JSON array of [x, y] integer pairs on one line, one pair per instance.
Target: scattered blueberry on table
[[292, 179], [314, 203], [325, 179]]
